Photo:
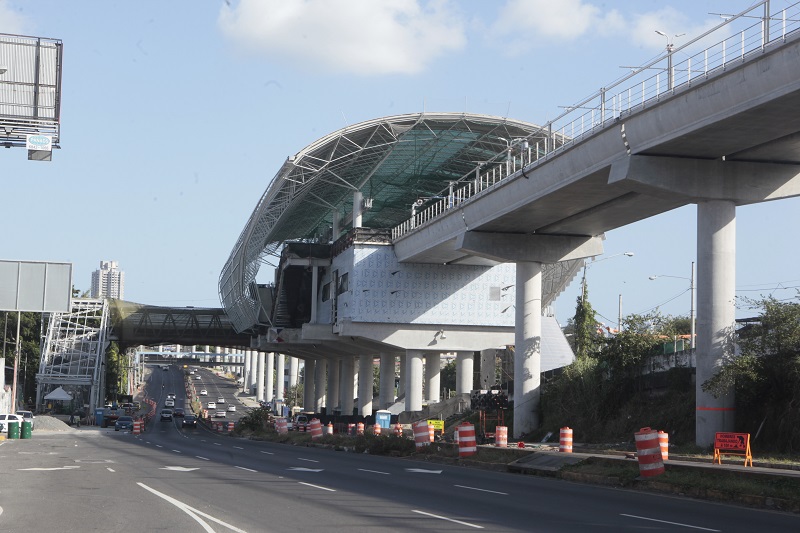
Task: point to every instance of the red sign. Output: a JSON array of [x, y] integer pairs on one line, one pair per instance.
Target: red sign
[[731, 441]]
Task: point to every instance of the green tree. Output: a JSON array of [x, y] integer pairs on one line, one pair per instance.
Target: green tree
[[447, 376], [584, 325]]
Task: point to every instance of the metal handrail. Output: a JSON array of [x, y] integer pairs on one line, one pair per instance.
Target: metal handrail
[[610, 103]]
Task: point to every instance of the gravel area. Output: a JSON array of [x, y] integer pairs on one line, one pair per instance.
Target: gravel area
[[51, 423]]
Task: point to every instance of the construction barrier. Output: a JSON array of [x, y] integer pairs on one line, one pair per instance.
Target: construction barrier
[[281, 425], [421, 437], [466, 440], [137, 427], [565, 440], [398, 430], [501, 437], [663, 443], [360, 428], [648, 452], [315, 428], [431, 431], [376, 429], [231, 426], [329, 429], [351, 429]]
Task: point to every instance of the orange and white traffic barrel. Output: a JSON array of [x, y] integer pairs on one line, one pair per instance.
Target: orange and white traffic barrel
[[466, 440], [421, 437], [137, 428], [329, 428], [281, 425], [663, 443], [231, 426], [351, 429], [376, 429], [431, 432], [315, 428], [360, 428], [648, 452], [398, 430], [565, 440], [501, 437]]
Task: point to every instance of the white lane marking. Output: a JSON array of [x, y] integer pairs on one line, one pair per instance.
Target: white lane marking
[[667, 522], [177, 451], [48, 469], [476, 526], [309, 460], [110, 469], [191, 511], [178, 468], [238, 447], [159, 446], [300, 469], [317, 486], [243, 468], [423, 471], [373, 471], [217, 444], [203, 458], [268, 453], [482, 490]]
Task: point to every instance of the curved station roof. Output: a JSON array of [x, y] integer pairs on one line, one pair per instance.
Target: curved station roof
[[393, 161]]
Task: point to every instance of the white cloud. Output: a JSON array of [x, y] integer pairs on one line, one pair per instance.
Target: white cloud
[[364, 37], [11, 21]]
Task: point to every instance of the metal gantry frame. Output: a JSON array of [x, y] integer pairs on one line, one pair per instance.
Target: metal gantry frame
[[74, 352]]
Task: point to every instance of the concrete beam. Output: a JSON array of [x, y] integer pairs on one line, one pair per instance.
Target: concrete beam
[[504, 247], [702, 179]]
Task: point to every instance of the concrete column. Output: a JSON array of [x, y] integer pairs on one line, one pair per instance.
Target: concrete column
[[280, 370], [293, 371], [314, 295], [334, 225], [527, 355], [464, 372], [365, 384], [319, 384], [218, 349], [251, 372], [414, 380], [716, 313], [433, 365], [308, 384], [346, 389], [334, 376], [357, 199], [260, 376], [207, 348], [401, 382], [269, 377], [246, 371], [488, 368], [386, 394]]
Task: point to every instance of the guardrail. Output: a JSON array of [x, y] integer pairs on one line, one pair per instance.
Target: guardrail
[[617, 99]]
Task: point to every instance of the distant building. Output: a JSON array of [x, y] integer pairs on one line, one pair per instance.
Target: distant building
[[109, 281]]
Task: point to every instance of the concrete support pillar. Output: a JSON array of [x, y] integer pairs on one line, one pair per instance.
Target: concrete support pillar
[[293, 371], [280, 370], [357, 200], [488, 368], [414, 380], [365, 385], [334, 377], [433, 365], [314, 295], [401, 382], [218, 349], [716, 313], [308, 384], [269, 377], [320, 377], [464, 372], [334, 225], [386, 394], [527, 355], [346, 389], [260, 377], [246, 372]]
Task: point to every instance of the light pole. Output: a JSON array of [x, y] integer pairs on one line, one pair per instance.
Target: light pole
[[670, 47], [586, 265], [691, 308]]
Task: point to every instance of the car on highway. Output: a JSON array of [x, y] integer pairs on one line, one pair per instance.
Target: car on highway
[[178, 412], [5, 418], [189, 421], [198, 377], [28, 416], [220, 400], [169, 403], [166, 414], [124, 422], [219, 414], [212, 405], [171, 396], [231, 408], [203, 392]]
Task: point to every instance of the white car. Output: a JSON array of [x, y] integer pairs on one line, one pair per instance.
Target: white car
[[231, 408], [169, 403], [219, 414], [198, 377], [203, 392], [220, 400], [28, 416], [212, 405], [5, 418], [171, 396]]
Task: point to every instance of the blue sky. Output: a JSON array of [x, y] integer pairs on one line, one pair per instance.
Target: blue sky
[[176, 115]]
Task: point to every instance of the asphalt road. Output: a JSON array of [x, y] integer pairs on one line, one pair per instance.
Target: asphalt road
[[179, 480]]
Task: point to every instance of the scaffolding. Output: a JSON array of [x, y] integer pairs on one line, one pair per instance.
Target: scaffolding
[[73, 352]]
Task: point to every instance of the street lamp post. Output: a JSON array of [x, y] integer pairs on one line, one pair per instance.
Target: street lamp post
[[585, 265], [691, 308], [670, 47]]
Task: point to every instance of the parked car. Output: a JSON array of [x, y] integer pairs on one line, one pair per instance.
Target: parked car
[[189, 421], [124, 422], [5, 418], [28, 416], [166, 414], [300, 421], [178, 412]]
